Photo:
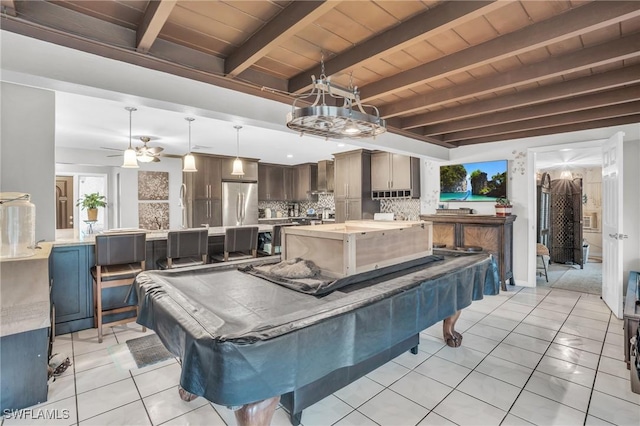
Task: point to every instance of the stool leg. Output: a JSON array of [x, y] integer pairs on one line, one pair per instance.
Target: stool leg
[[546, 277], [99, 303]]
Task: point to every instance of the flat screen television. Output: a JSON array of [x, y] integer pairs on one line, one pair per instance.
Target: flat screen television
[[484, 181]]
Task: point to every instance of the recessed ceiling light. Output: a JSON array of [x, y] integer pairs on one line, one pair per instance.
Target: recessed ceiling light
[[566, 149], [340, 145], [289, 155]]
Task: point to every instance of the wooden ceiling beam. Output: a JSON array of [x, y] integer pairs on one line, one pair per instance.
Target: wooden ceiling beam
[[583, 19], [578, 103], [155, 16], [171, 58], [8, 7], [595, 124], [61, 20], [298, 15], [620, 110], [429, 22], [612, 51], [435, 140], [579, 86]]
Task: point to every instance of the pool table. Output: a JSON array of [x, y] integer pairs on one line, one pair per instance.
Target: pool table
[[245, 341]]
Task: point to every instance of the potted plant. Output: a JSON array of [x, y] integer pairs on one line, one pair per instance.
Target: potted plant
[[503, 207], [91, 202]]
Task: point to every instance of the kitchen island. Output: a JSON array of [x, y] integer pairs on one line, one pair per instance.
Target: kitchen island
[[72, 257]]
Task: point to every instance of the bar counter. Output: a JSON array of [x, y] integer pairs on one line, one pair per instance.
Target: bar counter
[[72, 237]]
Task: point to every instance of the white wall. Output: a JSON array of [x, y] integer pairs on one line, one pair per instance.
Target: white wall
[[27, 150], [516, 191], [80, 161], [521, 188]]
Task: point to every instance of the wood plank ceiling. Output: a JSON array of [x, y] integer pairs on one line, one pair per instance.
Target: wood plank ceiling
[[450, 73]]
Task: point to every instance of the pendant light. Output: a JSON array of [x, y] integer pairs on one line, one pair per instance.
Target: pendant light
[[130, 156], [237, 163], [189, 165]]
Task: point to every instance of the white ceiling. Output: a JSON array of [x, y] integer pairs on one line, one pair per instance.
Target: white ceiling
[[569, 158], [86, 122]]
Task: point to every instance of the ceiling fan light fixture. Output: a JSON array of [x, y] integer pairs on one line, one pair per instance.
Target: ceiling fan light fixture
[[189, 161], [146, 158], [130, 155], [237, 163], [348, 121], [566, 174]]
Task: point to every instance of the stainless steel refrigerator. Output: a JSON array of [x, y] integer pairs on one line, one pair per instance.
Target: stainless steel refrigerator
[[239, 203]]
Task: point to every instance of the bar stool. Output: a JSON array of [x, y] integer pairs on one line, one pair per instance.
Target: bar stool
[[276, 237], [188, 247], [541, 252], [238, 241], [119, 258]]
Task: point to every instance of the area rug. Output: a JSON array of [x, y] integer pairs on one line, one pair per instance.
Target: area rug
[[148, 350], [587, 280]]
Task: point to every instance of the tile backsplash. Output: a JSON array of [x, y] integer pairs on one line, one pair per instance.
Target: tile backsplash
[[404, 209], [325, 201]]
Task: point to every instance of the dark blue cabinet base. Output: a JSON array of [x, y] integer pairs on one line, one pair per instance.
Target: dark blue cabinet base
[[23, 368]]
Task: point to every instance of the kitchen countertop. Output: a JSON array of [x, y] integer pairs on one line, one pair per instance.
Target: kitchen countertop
[[24, 292], [74, 238]]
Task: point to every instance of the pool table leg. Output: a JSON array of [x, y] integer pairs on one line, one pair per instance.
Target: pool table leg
[[257, 413], [185, 395], [451, 336]]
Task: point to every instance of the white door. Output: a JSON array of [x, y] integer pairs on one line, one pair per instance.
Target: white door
[[612, 280]]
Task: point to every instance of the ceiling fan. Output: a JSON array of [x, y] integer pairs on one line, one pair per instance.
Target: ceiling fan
[[144, 153]]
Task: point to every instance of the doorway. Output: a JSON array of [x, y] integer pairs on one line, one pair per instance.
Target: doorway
[[582, 271], [64, 202]]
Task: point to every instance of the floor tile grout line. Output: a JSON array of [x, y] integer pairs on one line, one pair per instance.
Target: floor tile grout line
[[473, 369], [541, 358], [586, 412], [484, 315]]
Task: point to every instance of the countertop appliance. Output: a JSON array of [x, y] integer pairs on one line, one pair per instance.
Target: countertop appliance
[[239, 203]]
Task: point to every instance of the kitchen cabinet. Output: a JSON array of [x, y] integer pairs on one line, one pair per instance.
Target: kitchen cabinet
[[352, 171], [493, 233], [204, 192], [305, 182], [394, 176], [275, 182], [249, 166], [72, 288], [348, 209], [206, 181]]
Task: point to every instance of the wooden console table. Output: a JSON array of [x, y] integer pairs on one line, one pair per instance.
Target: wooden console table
[[493, 233]]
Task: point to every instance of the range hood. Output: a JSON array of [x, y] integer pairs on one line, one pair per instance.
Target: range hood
[[325, 177]]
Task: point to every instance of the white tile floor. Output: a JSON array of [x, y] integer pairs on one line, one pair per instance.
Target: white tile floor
[[529, 356]]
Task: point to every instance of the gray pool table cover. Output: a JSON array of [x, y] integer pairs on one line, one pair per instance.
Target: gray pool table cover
[[243, 339]]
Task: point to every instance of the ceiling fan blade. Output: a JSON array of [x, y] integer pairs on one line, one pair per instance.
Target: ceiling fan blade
[[155, 150], [112, 149], [116, 155], [171, 155], [156, 160]]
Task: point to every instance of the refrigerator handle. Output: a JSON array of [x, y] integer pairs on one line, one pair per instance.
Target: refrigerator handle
[[240, 208]]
